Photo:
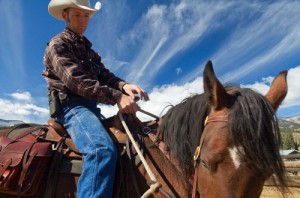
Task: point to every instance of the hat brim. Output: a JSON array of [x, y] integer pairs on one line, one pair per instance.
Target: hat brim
[[56, 8]]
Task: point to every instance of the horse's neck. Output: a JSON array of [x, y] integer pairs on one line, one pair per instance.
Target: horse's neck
[[168, 174]]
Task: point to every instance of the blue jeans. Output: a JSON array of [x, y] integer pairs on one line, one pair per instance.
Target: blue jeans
[[82, 120]]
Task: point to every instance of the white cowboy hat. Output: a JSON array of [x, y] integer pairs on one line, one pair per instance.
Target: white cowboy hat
[[56, 7]]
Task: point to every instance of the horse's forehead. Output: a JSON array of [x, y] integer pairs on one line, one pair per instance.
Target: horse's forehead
[[217, 145], [216, 136]]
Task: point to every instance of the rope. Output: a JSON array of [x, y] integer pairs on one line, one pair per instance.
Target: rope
[[156, 185], [153, 188]]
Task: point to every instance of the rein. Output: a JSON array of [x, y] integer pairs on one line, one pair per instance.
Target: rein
[[156, 185], [208, 119]]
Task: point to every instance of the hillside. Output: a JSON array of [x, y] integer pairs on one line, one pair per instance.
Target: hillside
[[9, 123], [287, 125], [290, 124], [295, 119]]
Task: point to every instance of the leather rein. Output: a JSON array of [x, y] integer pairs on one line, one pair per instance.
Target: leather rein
[[197, 154]]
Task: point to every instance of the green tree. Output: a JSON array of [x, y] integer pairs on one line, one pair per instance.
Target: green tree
[[287, 141]]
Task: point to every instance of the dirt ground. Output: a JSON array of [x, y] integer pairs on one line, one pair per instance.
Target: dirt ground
[[272, 192]]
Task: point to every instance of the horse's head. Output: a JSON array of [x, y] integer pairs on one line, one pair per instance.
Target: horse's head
[[238, 148], [225, 139]]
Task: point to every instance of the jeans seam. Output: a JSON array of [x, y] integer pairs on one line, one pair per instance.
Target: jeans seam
[[82, 126], [94, 178]]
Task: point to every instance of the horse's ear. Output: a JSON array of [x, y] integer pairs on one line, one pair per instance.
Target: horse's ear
[[278, 90], [214, 91]]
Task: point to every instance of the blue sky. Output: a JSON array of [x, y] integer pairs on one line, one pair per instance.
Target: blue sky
[[161, 45]]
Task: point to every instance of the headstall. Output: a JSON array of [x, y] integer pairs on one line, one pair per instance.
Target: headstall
[[208, 119]]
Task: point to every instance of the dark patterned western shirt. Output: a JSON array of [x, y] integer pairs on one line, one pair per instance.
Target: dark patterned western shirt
[[73, 67]]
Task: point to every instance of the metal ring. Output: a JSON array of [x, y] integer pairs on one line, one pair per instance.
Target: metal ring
[[147, 130], [197, 153]]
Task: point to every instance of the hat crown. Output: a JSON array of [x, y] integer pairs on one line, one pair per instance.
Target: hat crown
[[82, 2]]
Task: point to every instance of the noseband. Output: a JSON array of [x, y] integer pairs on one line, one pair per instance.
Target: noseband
[[208, 119]]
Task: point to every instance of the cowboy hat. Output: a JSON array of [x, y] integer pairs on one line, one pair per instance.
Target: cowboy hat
[[56, 7]]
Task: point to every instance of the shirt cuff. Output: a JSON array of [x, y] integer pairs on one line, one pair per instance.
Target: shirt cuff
[[121, 85]]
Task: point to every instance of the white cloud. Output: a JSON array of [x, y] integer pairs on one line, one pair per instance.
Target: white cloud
[[262, 86], [25, 96], [293, 95], [22, 109], [161, 98], [178, 70]]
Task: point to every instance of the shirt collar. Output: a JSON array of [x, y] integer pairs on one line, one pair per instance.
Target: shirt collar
[[75, 37]]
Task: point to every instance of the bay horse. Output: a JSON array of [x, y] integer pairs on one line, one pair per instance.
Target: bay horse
[[221, 143]]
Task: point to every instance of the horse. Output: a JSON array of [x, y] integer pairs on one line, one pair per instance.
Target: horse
[[221, 143]]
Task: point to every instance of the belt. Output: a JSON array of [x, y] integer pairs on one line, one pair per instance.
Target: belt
[[66, 97]]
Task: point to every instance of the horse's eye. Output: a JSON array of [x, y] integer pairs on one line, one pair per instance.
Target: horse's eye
[[203, 163]]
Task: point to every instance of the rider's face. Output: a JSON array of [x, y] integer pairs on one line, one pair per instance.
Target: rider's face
[[77, 20]]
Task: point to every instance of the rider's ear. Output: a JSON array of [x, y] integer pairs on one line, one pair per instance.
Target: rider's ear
[[64, 14]]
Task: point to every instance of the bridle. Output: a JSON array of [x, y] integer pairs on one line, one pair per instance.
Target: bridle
[[221, 118]]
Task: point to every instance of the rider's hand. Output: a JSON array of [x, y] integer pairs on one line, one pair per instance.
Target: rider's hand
[[127, 105], [134, 89]]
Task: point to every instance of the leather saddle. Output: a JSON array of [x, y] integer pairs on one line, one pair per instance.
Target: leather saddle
[[57, 131]]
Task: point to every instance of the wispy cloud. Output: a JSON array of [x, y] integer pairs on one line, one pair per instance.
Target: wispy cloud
[[180, 26], [11, 48], [264, 41], [268, 40], [166, 30], [262, 34], [159, 35]]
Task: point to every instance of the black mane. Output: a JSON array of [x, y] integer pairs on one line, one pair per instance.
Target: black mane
[[183, 126]]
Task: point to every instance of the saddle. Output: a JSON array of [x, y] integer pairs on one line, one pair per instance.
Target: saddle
[[29, 152], [23, 161], [112, 125]]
